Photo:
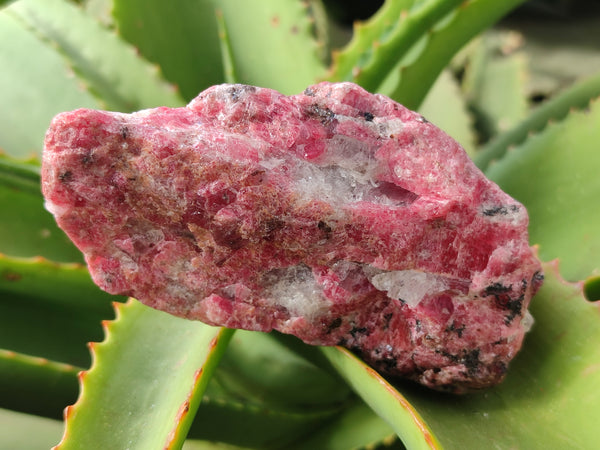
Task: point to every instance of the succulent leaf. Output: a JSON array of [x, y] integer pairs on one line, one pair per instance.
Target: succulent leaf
[[36, 385], [356, 427], [365, 35], [375, 59], [577, 96], [110, 67], [591, 288], [25, 112], [417, 74], [50, 310], [494, 83], [26, 229], [261, 368], [555, 175], [383, 399], [252, 425], [180, 36], [146, 381], [283, 53]]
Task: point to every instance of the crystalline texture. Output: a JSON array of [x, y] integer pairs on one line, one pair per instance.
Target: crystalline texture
[[338, 216]]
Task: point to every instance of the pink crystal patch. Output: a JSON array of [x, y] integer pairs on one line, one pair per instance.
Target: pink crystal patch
[[335, 215]]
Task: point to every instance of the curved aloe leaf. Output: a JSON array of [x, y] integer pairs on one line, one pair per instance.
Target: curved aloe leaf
[[22, 175], [253, 425], [419, 73], [179, 35], [26, 229], [577, 96], [66, 286], [260, 368], [375, 62], [263, 394], [50, 310], [356, 427], [551, 393], [383, 398], [555, 175], [229, 73], [36, 385], [146, 381], [110, 67], [365, 35], [101, 10], [46, 87], [283, 53], [495, 85]]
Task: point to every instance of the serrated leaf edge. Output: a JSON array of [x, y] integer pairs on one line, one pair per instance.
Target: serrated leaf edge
[[578, 97]]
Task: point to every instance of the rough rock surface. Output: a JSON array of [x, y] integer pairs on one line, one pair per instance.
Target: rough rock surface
[[336, 215]]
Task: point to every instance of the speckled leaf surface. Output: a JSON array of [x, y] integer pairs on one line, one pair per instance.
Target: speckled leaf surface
[[146, 381], [555, 175], [551, 394]]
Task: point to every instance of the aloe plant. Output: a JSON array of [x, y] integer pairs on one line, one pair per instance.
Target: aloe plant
[[127, 376]]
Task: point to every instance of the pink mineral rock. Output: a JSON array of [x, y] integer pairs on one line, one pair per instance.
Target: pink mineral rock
[[337, 216]]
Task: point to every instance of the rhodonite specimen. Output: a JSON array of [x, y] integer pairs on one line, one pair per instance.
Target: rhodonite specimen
[[335, 215]]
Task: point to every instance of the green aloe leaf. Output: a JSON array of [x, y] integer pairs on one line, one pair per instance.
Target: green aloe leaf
[[50, 310], [577, 96], [261, 368], [46, 86], [264, 394], [110, 67], [494, 83], [418, 73], [365, 36], [146, 381], [26, 229], [283, 53], [383, 398], [179, 35], [101, 10], [375, 59], [239, 421], [551, 393], [36, 385], [356, 427], [555, 175]]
